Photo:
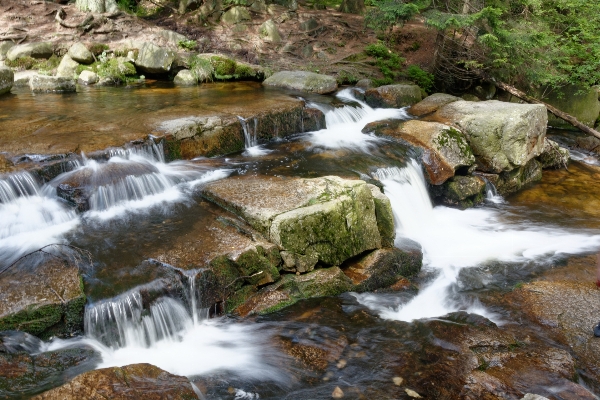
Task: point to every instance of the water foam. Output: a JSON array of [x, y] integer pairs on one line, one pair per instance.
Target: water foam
[[454, 239]]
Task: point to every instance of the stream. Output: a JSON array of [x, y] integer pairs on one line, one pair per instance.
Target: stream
[[141, 206]]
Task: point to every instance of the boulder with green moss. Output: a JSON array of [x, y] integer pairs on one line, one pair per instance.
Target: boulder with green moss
[[154, 59], [44, 299], [45, 83], [67, 67], [329, 219], [34, 50], [88, 77], [463, 191], [443, 148], [503, 136], [185, 77], [7, 79], [393, 96], [303, 81]]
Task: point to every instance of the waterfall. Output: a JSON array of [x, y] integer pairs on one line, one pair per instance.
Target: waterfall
[[253, 149], [17, 185], [344, 124], [454, 239]]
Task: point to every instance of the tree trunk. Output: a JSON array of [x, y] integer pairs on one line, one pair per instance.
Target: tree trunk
[[352, 7], [562, 115], [97, 6]]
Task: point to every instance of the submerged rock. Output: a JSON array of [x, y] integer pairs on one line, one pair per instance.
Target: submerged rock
[[431, 104], [7, 79], [44, 83], [329, 217], [393, 96], [303, 81], [44, 299], [444, 149], [136, 381], [35, 50], [503, 136]]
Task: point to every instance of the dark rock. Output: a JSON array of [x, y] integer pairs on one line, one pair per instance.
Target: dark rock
[[553, 156], [7, 78], [393, 96], [463, 191], [303, 81], [431, 104]]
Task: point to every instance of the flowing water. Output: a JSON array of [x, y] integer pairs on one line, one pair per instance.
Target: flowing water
[[141, 207]]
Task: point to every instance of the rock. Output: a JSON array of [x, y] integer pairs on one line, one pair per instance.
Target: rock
[[299, 263], [303, 81], [393, 96], [331, 217], [580, 102], [470, 97], [554, 156], [383, 267], [236, 15], [44, 299], [154, 60], [185, 77], [512, 181], [337, 393], [24, 369], [268, 31], [531, 396], [67, 68], [22, 78], [292, 288], [397, 380], [412, 393], [35, 50], [353, 7], [258, 6], [97, 6], [115, 71], [44, 83], [464, 191], [385, 217], [137, 381], [431, 104], [88, 77], [444, 149], [172, 38], [309, 25], [364, 84], [5, 46], [7, 79], [503, 136], [80, 53]]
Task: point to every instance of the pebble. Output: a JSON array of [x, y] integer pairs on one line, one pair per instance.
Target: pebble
[[341, 364], [337, 393], [412, 393], [397, 380]]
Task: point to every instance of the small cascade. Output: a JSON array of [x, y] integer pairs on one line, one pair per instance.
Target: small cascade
[[344, 124], [491, 194], [250, 133], [149, 150], [454, 239], [20, 184]]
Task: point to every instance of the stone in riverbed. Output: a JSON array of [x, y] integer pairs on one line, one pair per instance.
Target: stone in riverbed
[[303, 81], [44, 83], [80, 53], [154, 59], [445, 149], [136, 381], [7, 78], [67, 67], [431, 104], [35, 50], [464, 191], [503, 136], [393, 96], [554, 156], [331, 217], [88, 77], [43, 300], [185, 77]]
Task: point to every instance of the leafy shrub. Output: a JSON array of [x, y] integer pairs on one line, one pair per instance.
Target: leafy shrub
[[388, 62], [422, 78], [187, 44]]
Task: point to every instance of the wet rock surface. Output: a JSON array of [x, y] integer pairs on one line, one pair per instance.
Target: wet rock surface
[[393, 96], [44, 298], [129, 382], [302, 81], [431, 104], [44, 83], [7, 78]]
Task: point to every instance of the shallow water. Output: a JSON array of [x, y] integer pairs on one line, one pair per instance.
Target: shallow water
[[380, 336]]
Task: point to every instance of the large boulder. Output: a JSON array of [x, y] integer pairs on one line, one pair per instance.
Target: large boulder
[[5, 46], [444, 149], [503, 136], [185, 77], [580, 102], [154, 59], [44, 83], [393, 96], [97, 6], [44, 299], [326, 219], [35, 50], [302, 80], [7, 79], [431, 104], [236, 15], [137, 381], [67, 67], [80, 53]]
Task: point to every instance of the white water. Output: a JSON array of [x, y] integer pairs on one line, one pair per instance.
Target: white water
[[29, 219], [453, 239], [344, 124], [250, 128]]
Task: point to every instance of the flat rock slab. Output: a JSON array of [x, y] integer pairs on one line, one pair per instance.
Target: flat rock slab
[[431, 104], [43, 299], [393, 96], [330, 217], [137, 381], [303, 81]]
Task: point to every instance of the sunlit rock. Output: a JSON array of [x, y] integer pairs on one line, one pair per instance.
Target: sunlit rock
[[7, 78], [80, 53], [431, 104], [302, 80], [67, 67], [44, 83], [35, 50], [154, 59], [393, 96]]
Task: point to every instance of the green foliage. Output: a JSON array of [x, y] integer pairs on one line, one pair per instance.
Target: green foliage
[[202, 69], [97, 48], [26, 63], [422, 78], [388, 62], [224, 67], [188, 44], [385, 14], [346, 78]]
